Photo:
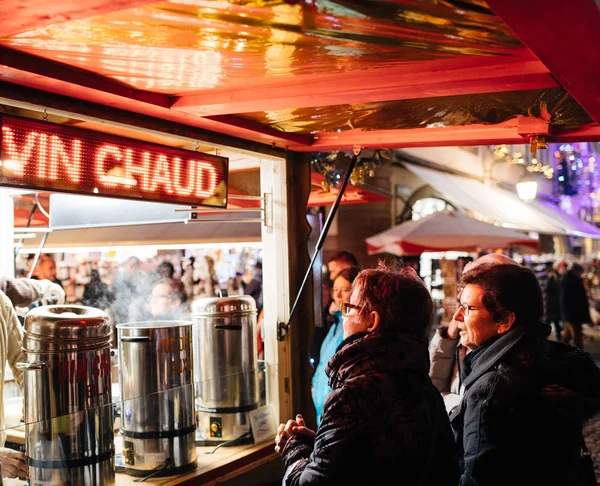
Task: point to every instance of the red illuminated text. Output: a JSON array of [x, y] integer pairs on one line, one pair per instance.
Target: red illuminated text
[[93, 163]]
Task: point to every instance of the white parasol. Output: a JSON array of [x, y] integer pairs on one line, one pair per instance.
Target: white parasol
[[446, 231]]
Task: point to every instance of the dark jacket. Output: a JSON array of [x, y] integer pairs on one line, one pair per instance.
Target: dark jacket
[[383, 422], [520, 418], [574, 303], [96, 293], [552, 297]]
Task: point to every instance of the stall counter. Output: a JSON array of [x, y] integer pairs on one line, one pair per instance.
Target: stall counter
[[224, 463]]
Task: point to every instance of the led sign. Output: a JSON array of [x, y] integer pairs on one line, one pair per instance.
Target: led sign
[[40, 155]]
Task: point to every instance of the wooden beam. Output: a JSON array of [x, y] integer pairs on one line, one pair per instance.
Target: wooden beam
[[507, 132], [30, 63], [102, 106], [565, 37], [446, 77], [27, 15]]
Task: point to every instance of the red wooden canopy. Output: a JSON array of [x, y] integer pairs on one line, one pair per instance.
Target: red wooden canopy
[[315, 76]]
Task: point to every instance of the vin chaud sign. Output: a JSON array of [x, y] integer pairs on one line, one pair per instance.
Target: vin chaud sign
[[47, 156]]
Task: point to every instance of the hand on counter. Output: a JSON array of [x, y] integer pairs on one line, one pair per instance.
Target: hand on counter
[[13, 463], [291, 427]]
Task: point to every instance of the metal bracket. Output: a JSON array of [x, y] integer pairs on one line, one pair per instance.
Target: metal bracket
[[282, 330], [266, 210]]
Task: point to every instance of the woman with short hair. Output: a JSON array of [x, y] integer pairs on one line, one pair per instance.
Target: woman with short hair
[[383, 421], [525, 397]]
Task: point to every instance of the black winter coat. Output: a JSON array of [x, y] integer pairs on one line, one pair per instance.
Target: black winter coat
[[552, 297], [383, 422], [520, 419], [574, 303]]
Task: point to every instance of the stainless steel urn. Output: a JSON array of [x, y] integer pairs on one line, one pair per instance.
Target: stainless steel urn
[[67, 396], [157, 392], [226, 368]]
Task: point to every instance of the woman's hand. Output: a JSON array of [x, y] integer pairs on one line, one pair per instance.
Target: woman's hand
[[13, 463], [291, 427], [453, 331]]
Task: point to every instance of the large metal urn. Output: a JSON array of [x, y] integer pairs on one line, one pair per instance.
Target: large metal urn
[[157, 393], [225, 369], [67, 396]]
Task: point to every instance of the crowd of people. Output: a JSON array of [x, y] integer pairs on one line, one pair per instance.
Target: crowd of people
[[134, 294], [488, 400], [567, 301]]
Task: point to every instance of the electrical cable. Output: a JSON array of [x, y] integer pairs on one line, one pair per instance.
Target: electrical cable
[[231, 442], [156, 471]]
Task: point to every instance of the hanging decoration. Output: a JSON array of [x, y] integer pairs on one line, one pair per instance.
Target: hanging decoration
[[333, 166]]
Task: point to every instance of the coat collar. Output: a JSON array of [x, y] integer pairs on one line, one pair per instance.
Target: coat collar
[[487, 356], [377, 351]]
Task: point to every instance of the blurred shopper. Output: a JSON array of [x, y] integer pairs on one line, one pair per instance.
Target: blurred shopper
[[207, 282], [526, 398], [574, 305], [552, 299], [167, 270], [96, 293], [383, 421], [164, 304], [130, 284], [445, 351], [255, 287], [336, 263], [46, 269], [342, 290], [11, 339]]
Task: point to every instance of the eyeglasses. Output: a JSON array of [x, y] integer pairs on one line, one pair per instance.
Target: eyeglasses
[[347, 307], [467, 308]]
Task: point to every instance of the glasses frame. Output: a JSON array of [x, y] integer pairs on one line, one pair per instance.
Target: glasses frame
[[346, 307], [467, 308]]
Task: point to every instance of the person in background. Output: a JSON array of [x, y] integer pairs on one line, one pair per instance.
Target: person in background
[[383, 421], [130, 284], [164, 304], [96, 293], [574, 305], [340, 260], [342, 290], [445, 351], [255, 288], [166, 270], [11, 353], [336, 263], [552, 299], [187, 277], [46, 269], [207, 284], [525, 397]]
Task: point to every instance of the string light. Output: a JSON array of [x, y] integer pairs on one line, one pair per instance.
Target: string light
[[517, 158]]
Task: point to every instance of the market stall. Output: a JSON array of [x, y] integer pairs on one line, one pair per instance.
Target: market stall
[[87, 221], [274, 80]]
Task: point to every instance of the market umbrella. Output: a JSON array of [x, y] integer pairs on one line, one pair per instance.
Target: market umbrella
[[446, 231]]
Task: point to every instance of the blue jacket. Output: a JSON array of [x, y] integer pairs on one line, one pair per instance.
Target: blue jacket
[[320, 381]]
